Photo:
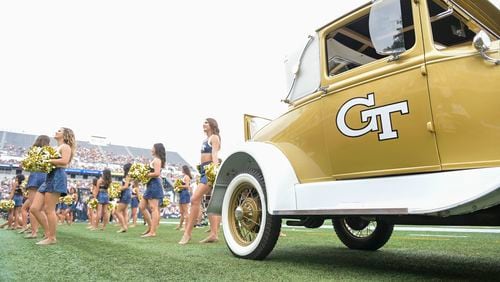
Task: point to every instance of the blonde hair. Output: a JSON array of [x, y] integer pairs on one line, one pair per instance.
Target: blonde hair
[[69, 138]]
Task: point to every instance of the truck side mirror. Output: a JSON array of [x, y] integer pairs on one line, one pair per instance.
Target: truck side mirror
[[386, 28], [482, 44], [482, 41]]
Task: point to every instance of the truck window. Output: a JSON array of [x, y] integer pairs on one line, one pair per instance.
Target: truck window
[[350, 46], [449, 30]]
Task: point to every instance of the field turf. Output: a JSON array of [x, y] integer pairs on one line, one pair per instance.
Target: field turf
[[303, 255]]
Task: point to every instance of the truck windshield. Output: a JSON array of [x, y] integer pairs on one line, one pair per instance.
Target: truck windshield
[[496, 3]]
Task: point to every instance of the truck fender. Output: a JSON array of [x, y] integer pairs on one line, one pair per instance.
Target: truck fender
[[279, 175]]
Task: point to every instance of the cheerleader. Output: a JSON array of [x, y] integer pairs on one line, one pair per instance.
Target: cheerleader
[[72, 207], [55, 186], [91, 213], [103, 198], [35, 180], [125, 199], [184, 196], [16, 194], [154, 191], [134, 203], [209, 153], [61, 209]]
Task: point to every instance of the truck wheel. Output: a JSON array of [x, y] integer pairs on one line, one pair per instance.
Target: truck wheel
[[360, 234], [250, 231]]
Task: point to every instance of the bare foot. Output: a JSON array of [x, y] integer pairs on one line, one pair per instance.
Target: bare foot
[[31, 236], [121, 230], [209, 239], [145, 232], [23, 230], [148, 235], [185, 239], [47, 242]]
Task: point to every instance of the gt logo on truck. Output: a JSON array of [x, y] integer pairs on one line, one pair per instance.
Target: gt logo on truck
[[370, 116]]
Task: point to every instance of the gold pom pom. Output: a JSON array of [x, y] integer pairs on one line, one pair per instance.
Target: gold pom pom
[[211, 171], [165, 203], [140, 172], [114, 190], [92, 204], [37, 159], [68, 199], [178, 185]]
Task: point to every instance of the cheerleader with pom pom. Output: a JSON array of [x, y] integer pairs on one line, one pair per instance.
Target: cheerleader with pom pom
[[16, 194], [103, 198], [125, 199], [35, 180], [55, 186], [91, 212], [154, 191], [72, 208], [8, 206], [61, 210], [184, 196], [134, 203], [209, 154]]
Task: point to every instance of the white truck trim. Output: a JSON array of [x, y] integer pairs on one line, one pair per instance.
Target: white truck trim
[[438, 193]]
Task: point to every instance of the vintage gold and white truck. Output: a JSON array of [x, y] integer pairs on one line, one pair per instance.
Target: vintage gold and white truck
[[394, 118]]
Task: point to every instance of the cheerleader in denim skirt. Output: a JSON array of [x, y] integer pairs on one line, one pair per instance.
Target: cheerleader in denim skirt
[[72, 207], [61, 210], [154, 191], [134, 203], [91, 213], [35, 180], [55, 186], [16, 194], [125, 199], [184, 197], [103, 198], [209, 153]]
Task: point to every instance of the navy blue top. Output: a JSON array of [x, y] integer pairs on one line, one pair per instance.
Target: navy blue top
[[206, 148], [18, 191]]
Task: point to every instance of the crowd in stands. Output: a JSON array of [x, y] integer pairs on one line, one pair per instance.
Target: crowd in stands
[[86, 158]]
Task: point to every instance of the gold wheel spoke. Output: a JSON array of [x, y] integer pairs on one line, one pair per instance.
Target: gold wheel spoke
[[252, 221], [246, 214]]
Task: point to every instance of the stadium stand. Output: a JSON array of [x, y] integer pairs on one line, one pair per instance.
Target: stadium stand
[[14, 145]]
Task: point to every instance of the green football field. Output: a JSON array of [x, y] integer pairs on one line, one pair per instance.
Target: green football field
[[303, 255]]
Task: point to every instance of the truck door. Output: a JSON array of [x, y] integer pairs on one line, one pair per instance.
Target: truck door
[[464, 87], [376, 108]]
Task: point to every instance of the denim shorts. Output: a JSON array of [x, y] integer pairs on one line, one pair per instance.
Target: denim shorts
[[185, 198], [103, 198], [125, 197], [203, 177], [18, 200], [56, 182], [154, 189], [134, 203], [36, 179]]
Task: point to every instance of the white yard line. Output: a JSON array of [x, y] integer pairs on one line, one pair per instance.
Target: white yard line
[[438, 235], [447, 229], [457, 229]]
